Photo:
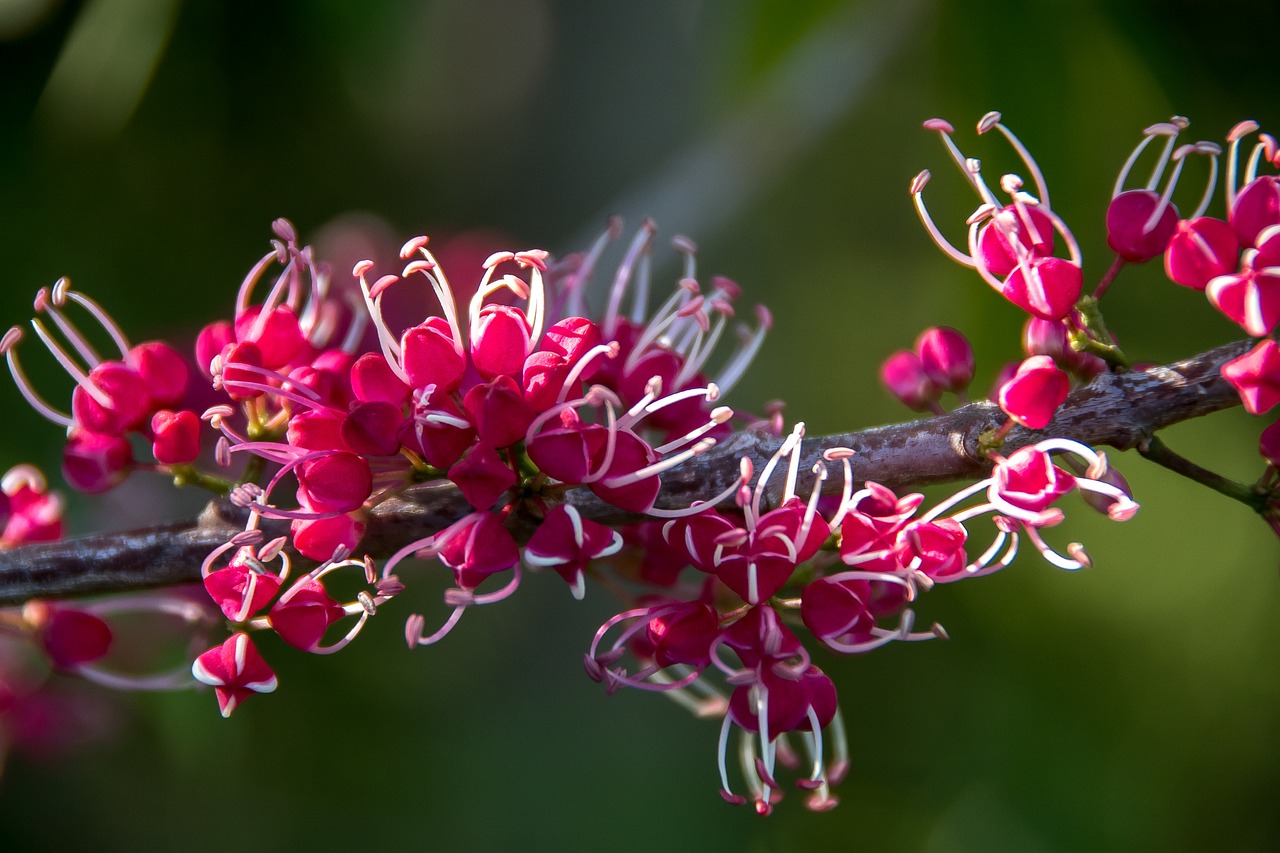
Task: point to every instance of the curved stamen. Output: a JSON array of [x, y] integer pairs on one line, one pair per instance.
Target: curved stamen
[[917, 196], [68, 364], [639, 244], [9, 346], [991, 120]]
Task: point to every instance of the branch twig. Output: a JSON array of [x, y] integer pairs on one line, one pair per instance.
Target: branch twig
[[1116, 410]]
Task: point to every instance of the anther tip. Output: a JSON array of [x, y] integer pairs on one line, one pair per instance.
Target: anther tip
[[61, 288], [498, 258], [988, 121], [380, 286], [413, 245], [1242, 129], [681, 243], [413, 629], [10, 339], [939, 124], [284, 229]]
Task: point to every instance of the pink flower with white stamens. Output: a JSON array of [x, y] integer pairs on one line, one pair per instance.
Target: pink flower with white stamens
[[94, 463], [1141, 222], [304, 613], [1010, 245]]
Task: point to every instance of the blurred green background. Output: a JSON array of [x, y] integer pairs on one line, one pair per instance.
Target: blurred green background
[[146, 145]]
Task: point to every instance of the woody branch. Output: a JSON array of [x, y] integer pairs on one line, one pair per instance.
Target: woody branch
[[1116, 410]]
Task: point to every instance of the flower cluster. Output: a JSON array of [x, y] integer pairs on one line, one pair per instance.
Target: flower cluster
[[533, 410], [847, 571], [1017, 248], [1236, 263]]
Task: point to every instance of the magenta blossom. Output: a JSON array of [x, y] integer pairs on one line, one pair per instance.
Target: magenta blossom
[[1035, 392]]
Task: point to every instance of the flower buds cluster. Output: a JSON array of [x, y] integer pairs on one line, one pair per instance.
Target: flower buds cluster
[[941, 361]]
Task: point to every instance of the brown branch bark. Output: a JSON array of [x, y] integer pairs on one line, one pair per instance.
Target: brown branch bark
[[1116, 410]]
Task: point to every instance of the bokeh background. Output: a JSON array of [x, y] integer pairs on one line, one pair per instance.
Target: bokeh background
[[146, 145]]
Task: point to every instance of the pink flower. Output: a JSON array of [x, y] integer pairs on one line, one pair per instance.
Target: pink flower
[[904, 375], [500, 341], [1250, 298], [1034, 230], [1140, 224], [1269, 444], [946, 358], [1256, 377], [682, 633], [482, 476], [32, 513], [304, 613], [235, 670], [1200, 250], [163, 370], [335, 481], [1256, 207], [242, 588], [72, 638], [373, 428], [318, 539], [1047, 288], [1035, 392], [1051, 338], [177, 437], [1028, 480], [94, 463], [567, 542], [933, 547], [477, 546], [429, 355]]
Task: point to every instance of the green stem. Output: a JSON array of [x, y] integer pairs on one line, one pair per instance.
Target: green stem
[[1096, 338], [189, 475], [1158, 452]]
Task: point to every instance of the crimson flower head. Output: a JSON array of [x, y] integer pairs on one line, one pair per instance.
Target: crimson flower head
[[1250, 298], [1255, 206]]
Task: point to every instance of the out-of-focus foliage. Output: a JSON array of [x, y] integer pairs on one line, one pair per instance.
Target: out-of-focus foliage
[[145, 148]]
